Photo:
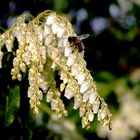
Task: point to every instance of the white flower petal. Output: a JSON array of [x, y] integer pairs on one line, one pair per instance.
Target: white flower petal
[[80, 77], [23, 67], [82, 112], [30, 92], [61, 31], [90, 116], [77, 101], [40, 95], [101, 114], [95, 106], [64, 77], [9, 45], [74, 70], [55, 53], [84, 86], [49, 96], [68, 92], [43, 86], [47, 29], [26, 58], [92, 97], [76, 104], [54, 104], [65, 42], [50, 20], [58, 29], [71, 60], [49, 39], [68, 51], [55, 28], [86, 97], [16, 62]]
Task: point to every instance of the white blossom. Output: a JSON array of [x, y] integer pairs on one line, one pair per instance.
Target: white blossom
[[64, 77], [92, 97], [9, 45], [49, 39], [43, 86], [26, 58], [68, 51], [77, 103], [23, 67], [63, 43], [40, 95], [82, 111], [51, 19], [15, 62], [55, 53], [30, 92], [74, 70], [71, 60], [69, 93], [61, 31], [80, 77], [47, 29], [49, 96], [95, 106], [86, 97], [58, 29], [84, 86], [101, 114], [90, 116], [54, 104]]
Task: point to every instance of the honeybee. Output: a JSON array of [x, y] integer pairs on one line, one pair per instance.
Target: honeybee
[[77, 41]]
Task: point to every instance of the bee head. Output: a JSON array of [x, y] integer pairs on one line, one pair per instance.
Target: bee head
[[72, 39]]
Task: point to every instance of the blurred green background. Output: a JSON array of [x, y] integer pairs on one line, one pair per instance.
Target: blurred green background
[[112, 53]]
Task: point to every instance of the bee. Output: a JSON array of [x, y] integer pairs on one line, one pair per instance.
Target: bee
[[77, 41]]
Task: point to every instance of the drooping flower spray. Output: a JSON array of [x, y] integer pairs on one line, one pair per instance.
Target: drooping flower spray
[[43, 49]]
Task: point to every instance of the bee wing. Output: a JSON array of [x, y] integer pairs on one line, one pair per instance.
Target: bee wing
[[83, 36]]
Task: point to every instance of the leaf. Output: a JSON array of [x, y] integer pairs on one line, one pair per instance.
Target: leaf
[[105, 76], [105, 88], [12, 105], [60, 5]]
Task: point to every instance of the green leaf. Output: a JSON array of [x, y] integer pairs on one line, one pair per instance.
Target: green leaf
[[60, 5], [105, 88], [105, 76], [12, 105]]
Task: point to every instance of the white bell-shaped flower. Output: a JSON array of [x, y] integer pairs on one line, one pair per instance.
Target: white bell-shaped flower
[[80, 77], [51, 19], [71, 60], [84, 86]]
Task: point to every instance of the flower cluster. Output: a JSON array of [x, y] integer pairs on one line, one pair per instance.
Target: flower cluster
[[43, 50]]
